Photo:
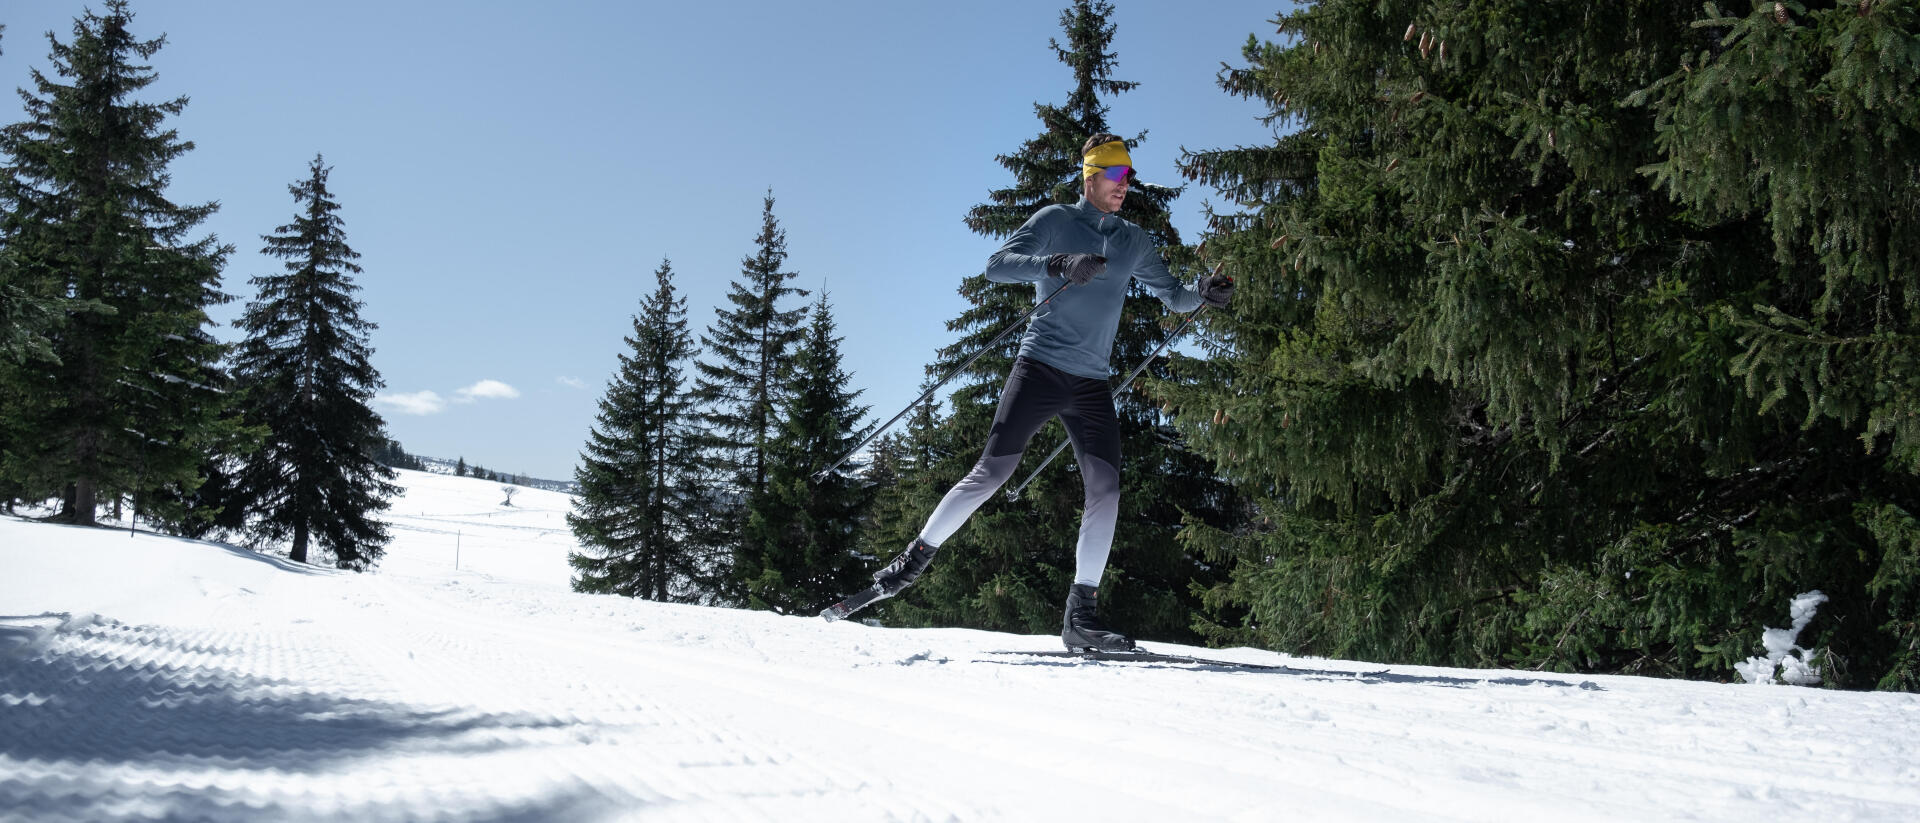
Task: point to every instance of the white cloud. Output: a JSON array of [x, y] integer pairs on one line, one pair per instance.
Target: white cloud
[[420, 403], [571, 382], [423, 403], [486, 390]]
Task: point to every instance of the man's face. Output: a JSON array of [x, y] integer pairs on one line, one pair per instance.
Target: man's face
[[1107, 195]]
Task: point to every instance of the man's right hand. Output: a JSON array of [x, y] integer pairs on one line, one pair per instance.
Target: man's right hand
[[1077, 268]]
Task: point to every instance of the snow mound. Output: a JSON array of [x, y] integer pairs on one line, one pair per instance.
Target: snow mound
[[1786, 662]]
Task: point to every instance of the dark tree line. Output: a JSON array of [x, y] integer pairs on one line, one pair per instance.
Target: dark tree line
[[394, 456], [461, 469]]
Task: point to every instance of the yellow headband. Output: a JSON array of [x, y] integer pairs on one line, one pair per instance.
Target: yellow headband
[[1104, 155]]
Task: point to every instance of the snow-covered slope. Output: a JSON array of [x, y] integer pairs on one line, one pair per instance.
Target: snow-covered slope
[[145, 677], [439, 520]]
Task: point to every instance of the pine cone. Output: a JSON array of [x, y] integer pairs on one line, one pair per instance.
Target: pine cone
[[1409, 35], [1780, 13]]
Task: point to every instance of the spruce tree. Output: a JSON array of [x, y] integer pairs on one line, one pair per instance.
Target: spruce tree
[[124, 397], [739, 389], [305, 375], [1829, 334], [22, 317], [25, 319], [1012, 563], [642, 502], [801, 532], [1562, 340]]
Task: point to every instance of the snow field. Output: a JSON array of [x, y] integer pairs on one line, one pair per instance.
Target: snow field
[[439, 519], [152, 678]]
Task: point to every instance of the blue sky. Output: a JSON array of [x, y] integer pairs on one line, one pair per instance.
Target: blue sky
[[512, 173]]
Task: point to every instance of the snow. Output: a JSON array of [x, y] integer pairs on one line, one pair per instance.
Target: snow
[[438, 520], [1786, 662], [145, 677]]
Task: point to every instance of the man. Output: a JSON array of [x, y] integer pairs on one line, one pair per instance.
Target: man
[[1063, 369]]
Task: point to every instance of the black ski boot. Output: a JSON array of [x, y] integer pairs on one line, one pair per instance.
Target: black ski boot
[[1082, 629], [905, 568], [887, 582]]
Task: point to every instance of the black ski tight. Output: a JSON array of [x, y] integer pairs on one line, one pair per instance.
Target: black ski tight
[[1036, 393]]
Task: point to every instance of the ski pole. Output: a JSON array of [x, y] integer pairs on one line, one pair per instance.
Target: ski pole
[[1015, 493], [822, 474]]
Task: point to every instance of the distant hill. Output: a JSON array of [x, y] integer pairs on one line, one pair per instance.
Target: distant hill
[[441, 465]]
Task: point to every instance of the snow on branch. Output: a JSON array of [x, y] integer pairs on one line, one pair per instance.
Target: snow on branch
[[1786, 662]]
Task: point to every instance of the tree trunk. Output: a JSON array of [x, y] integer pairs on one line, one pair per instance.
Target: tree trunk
[[660, 573], [299, 553], [82, 499]]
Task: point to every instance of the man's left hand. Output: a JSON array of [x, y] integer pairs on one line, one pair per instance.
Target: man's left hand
[[1216, 290]]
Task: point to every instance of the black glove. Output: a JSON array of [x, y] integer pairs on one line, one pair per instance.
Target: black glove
[[1216, 290], [1077, 268]]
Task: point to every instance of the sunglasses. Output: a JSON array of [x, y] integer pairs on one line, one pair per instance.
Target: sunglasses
[[1116, 173]]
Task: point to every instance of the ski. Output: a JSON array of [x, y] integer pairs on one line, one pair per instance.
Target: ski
[[853, 603], [1183, 660]]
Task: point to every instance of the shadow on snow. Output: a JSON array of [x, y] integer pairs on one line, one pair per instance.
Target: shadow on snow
[[74, 713]]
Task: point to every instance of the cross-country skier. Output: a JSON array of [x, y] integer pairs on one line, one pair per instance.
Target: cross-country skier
[[1062, 370]]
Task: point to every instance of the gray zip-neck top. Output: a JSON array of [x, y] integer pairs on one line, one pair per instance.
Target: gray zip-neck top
[[1075, 332]]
